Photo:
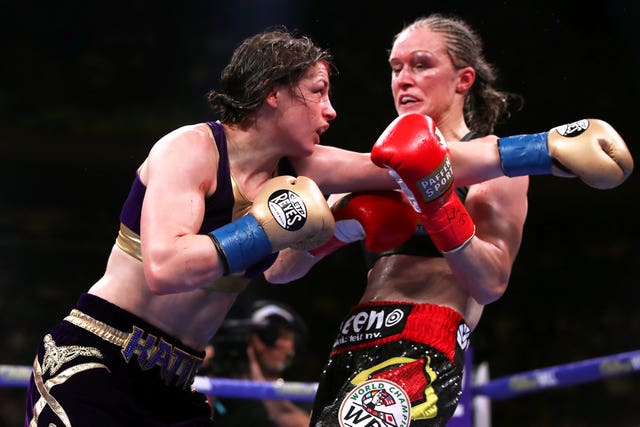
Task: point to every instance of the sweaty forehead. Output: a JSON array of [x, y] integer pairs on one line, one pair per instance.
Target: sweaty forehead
[[320, 71], [417, 39]]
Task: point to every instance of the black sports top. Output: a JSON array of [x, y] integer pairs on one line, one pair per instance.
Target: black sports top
[[420, 243]]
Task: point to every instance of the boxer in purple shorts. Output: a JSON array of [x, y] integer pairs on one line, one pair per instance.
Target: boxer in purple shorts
[[120, 367], [210, 207]]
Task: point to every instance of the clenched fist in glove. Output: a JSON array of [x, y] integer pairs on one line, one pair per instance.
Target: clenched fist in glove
[[383, 219], [288, 212], [416, 155], [589, 149]]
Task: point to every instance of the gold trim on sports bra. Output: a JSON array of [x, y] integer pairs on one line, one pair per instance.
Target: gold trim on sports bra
[[241, 203], [129, 241]]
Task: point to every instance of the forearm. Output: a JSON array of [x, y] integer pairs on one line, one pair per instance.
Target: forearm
[[349, 171], [285, 413], [482, 268], [475, 161], [357, 176], [290, 265], [190, 263]]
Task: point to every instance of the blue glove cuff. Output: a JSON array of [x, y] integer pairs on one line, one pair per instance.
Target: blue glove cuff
[[242, 243], [525, 154]]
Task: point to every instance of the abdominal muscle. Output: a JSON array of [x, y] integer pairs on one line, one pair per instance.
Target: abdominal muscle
[[415, 279], [192, 317]]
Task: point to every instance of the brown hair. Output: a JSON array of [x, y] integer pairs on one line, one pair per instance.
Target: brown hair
[[260, 63]]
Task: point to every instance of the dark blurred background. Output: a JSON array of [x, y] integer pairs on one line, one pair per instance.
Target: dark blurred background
[[86, 88]]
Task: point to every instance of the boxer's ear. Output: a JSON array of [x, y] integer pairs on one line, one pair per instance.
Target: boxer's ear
[[466, 77]]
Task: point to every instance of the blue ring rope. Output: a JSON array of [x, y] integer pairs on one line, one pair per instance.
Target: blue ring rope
[[500, 388]]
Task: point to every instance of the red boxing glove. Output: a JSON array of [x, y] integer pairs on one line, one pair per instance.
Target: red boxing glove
[[383, 219], [413, 150]]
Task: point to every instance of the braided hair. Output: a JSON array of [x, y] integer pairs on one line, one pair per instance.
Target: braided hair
[[484, 104]]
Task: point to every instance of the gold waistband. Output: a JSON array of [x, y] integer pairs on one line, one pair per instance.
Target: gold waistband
[[98, 328], [176, 364]]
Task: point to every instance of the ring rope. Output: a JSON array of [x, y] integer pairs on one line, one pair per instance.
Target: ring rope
[[560, 376], [500, 388]]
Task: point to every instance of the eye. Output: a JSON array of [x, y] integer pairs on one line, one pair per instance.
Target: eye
[[396, 67], [420, 65], [320, 88], [422, 60]]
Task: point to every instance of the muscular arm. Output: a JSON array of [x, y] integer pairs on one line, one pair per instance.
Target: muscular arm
[[350, 171], [498, 208], [178, 173], [290, 265], [336, 170], [588, 149], [341, 171], [477, 162]]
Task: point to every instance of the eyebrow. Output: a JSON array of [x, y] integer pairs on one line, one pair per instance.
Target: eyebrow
[[413, 52]]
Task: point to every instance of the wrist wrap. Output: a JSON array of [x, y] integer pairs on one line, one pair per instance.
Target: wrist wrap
[[241, 243], [522, 155]]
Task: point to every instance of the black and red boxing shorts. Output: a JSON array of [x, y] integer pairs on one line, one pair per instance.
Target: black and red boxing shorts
[[393, 364]]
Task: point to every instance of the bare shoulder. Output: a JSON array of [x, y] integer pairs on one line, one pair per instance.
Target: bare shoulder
[[186, 141], [199, 133], [191, 146]]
